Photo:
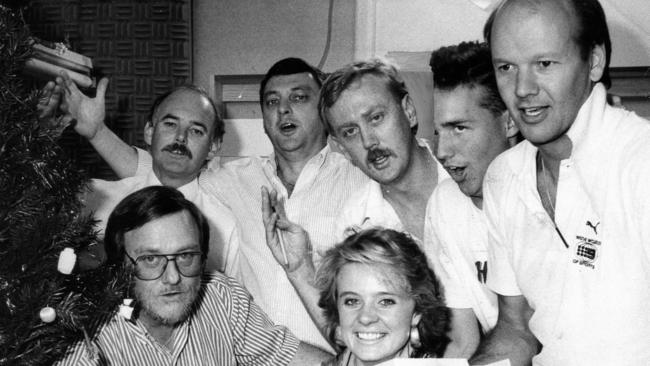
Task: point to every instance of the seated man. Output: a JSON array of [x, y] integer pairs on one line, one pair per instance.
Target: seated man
[[472, 127], [184, 130], [180, 318]]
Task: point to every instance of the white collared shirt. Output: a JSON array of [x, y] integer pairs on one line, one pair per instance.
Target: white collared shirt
[[590, 300], [456, 234], [224, 233], [326, 182]]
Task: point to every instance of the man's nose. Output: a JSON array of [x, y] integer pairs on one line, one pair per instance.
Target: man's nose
[[181, 135], [368, 138], [443, 146], [171, 275], [284, 106], [526, 83]]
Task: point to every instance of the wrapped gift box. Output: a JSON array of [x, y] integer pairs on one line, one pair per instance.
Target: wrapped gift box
[[49, 59]]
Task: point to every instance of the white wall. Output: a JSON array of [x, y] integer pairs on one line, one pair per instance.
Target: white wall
[[424, 25]]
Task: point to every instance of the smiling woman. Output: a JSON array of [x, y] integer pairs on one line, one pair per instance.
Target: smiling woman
[[381, 299]]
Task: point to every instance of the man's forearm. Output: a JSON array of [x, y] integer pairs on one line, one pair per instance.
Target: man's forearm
[[121, 157], [506, 342]]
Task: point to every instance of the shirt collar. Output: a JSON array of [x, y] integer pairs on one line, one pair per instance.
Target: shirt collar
[[189, 190], [589, 121]]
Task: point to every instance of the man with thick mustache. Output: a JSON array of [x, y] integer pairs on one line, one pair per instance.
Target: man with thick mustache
[[180, 316], [184, 130], [370, 115]]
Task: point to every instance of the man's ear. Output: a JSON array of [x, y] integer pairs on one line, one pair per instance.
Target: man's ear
[[339, 146], [409, 110], [148, 133], [511, 127], [597, 62], [215, 146]]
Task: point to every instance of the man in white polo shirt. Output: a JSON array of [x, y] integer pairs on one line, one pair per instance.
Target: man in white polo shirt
[[472, 127], [568, 209]]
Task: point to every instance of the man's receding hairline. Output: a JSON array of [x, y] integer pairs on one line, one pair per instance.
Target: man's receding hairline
[[208, 104]]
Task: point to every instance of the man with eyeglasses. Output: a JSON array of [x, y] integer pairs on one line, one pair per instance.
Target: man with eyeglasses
[[180, 317]]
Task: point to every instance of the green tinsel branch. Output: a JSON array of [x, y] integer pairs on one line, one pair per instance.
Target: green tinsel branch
[[39, 217]]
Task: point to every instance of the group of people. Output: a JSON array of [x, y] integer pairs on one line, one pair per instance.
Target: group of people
[[520, 232]]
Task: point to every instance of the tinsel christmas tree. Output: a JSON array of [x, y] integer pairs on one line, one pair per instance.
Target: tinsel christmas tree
[[40, 215]]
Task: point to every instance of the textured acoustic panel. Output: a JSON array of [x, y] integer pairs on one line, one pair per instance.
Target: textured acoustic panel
[[145, 47]]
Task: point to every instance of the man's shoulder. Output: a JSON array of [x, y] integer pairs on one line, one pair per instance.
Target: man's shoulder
[[447, 197], [510, 162]]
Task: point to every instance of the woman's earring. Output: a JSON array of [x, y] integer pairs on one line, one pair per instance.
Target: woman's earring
[[414, 337]]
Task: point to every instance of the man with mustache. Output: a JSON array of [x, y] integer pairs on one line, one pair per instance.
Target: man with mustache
[[180, 316], [183, 130], [472, 127], [568, 209], [371, 117], [311, 180]]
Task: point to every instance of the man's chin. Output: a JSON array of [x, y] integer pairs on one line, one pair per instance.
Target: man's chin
[[169, 315]]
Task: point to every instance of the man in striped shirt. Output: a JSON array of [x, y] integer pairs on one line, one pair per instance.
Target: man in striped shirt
[[180, 318]]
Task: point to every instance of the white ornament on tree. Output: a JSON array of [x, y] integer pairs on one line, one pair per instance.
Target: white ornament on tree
[[67, 260], [47, 314]]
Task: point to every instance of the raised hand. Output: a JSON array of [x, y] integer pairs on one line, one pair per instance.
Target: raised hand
[[86, 113], [288, 241]]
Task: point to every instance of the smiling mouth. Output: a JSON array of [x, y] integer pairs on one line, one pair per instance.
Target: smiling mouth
[[370, 336], [533, 111]]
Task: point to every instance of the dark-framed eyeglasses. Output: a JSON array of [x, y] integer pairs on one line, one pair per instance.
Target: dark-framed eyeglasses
[[151, 267]]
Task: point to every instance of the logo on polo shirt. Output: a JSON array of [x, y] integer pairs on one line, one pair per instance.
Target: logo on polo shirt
[[586, 252], [594, 227]]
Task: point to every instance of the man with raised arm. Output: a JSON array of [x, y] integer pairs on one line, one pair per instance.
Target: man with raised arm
[[567, 209], [184, 130]]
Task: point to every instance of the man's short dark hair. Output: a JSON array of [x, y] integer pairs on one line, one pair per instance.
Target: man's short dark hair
[[290, 66], [467, 64], [146, 205], [341, 80], [219, 126], [590, 30]]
